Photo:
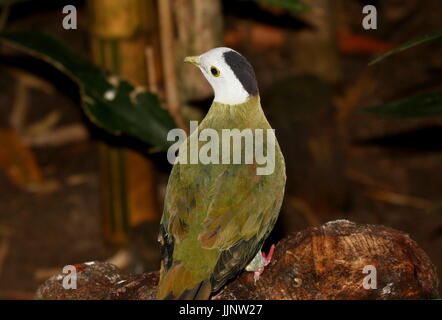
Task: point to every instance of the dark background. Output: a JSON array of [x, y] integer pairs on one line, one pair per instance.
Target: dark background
[[341, 164]]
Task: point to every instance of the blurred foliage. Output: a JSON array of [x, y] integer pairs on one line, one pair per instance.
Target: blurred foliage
[[409, 44], [115, 106], [422, 105], [293, 6]]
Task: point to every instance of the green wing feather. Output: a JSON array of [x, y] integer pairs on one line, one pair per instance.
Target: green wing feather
[[216, 217]]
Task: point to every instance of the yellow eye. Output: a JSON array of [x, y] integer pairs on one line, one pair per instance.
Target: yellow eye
[[215, 71]]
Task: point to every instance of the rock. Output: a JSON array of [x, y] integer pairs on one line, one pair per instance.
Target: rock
[[94, 281], [327, 262]]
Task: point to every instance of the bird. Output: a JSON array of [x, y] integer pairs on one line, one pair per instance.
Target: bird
[[216, 217]]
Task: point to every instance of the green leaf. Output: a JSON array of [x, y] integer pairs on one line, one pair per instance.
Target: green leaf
[[422, 105], [294, 6], [116, 107], [409, 44]]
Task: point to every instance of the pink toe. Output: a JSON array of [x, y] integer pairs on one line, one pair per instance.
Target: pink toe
[[269, 256]]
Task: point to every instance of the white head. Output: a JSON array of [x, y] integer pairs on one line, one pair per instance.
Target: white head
[[229, 73]]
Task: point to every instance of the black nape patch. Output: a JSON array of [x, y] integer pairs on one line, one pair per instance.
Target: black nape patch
[[243, 71]]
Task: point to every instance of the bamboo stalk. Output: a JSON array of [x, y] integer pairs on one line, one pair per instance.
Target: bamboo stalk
[[151, 74], [168, 55], [121, 31]]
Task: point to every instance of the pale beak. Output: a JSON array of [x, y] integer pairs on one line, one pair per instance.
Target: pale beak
[[195, 60]]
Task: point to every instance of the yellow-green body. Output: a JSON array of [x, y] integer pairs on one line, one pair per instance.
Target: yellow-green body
[[217, 216]]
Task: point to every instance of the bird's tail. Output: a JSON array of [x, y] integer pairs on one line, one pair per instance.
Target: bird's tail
[[200, 292], [177, 284]]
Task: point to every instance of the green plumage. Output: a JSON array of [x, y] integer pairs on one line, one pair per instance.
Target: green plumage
[[217, 216]]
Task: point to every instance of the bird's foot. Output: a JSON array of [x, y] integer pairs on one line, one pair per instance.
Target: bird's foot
[[257, 274], [269, 255], [260, 261]]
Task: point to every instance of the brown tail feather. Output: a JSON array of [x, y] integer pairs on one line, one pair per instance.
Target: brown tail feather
[[177, 284], [200, 292]]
